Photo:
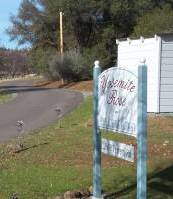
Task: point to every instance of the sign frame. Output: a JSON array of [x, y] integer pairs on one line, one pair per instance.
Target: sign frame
[[141, 134]]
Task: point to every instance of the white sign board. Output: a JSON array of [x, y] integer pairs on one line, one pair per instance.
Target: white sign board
[[117, 149], [117, 101]]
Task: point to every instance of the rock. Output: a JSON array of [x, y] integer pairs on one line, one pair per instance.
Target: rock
[[72, 194], [85, 193]]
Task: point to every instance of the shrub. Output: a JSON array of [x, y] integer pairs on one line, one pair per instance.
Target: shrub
[[70, 67]]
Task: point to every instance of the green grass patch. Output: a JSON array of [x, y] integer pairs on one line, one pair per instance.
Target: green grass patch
[[6, 97], [59, 158]]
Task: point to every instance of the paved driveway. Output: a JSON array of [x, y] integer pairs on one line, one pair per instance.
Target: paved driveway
[[34, 106]]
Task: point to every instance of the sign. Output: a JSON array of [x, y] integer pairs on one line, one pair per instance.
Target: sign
[[120, 105], [118, 149], [117, 101]]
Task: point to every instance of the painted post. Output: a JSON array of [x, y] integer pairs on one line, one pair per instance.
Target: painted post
[[96, 137], [142, 132]]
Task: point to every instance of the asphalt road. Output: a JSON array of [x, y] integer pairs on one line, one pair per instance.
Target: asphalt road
[[36, 107]]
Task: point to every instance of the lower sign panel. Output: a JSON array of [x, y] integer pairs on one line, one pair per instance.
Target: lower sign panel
[[116, 149]]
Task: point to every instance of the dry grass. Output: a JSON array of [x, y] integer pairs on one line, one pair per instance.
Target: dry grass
[[59, 158]]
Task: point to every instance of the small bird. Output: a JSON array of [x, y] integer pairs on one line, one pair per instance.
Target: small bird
[[58, 110], [20, 125]]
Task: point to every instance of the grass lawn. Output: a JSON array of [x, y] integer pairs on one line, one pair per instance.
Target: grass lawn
[[59, 158], [5, 97]]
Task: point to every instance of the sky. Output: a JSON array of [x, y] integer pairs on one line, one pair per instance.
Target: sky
[[7, 7]]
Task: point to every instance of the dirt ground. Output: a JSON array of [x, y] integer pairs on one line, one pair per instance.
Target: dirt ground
[[81, 86]]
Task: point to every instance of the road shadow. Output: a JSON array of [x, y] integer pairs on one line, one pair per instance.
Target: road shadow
[[162, 182], [159, 185], [19, 89]]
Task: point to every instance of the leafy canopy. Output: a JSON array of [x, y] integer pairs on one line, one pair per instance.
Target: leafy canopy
[[89, 26]]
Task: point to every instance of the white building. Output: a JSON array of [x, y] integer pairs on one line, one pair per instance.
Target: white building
[[158, 52]]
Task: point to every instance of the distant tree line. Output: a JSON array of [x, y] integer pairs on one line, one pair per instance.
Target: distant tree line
[[14, 63], [90, 28]]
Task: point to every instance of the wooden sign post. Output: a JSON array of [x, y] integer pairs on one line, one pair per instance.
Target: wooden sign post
[[96, 137], [142, 133], [120, 105]]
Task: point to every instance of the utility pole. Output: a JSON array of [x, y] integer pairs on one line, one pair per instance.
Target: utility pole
[[61, 41], [61, 36]]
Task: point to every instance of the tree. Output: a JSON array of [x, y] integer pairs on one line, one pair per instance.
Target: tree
[[90, 26], [32, 25], [14, 62], [160, 20], [40, 58]]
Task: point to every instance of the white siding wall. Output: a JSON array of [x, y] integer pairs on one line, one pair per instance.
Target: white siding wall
[[166, 83], [130, 55]]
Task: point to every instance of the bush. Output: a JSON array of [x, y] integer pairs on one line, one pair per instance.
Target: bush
[[69, 68]]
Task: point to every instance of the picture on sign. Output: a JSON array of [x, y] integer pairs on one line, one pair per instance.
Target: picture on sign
[[117, 101], [117, 149]]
